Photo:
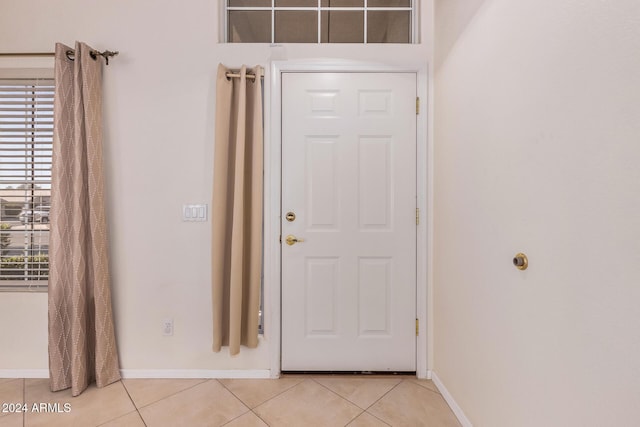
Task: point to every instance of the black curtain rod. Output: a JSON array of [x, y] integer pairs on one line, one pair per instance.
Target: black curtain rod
[[70, 53]]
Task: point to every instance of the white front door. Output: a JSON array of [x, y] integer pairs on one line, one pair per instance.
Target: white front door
[[349, 198]]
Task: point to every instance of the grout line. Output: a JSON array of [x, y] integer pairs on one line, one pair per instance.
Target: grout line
[[122, 416], [204, 380], [126, 390], [260, 418], [377, 418], [239, 400], [243, 414], [261, 403], [370, 414], [382, 397], [234, 395], [368, 407], [233, 419], [431, 390], [362, 411], [341, 397]]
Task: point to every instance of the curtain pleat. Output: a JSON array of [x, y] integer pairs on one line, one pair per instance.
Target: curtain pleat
[[237, 211], [82, 345]]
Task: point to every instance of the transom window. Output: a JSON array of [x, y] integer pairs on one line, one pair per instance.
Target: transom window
[[319, 21]]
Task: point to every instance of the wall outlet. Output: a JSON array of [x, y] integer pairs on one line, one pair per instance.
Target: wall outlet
[[167, 327]]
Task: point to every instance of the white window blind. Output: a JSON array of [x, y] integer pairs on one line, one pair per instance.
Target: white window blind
[[26, 136]]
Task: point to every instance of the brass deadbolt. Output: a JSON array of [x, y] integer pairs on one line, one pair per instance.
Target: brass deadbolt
[[290, 216], [520, 261]]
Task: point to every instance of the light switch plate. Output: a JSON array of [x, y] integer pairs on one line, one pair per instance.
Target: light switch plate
[[194, 213]]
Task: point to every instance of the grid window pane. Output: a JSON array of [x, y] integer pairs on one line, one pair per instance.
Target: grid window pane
[[389, 3], [388, 27], [296, 3], [249, 26], [249, 3], [342, 3], [296, 27], [342, 27], [296, 21]]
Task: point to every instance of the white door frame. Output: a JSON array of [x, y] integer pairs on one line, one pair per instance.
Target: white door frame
[[272, 195]]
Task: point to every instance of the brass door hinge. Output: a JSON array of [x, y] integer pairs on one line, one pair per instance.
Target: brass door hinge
[[417, 327], [417, 216], [417, 105]]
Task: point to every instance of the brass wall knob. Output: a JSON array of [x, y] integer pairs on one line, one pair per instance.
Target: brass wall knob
[[520, 261]]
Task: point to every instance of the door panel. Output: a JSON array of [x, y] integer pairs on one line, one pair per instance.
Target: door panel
[[349, 176]]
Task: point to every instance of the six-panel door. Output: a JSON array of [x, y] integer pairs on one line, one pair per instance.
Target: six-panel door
[[349, 178]]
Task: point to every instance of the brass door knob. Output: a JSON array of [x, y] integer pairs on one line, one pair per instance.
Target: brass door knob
[[292, 240], [520, 261]]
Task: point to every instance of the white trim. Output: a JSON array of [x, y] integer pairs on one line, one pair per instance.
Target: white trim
[[194, 373], [271, 274], [26, 73], [457, 410], [273, 133], [152, 373], [415, 13], [424, 236], [24, 373]]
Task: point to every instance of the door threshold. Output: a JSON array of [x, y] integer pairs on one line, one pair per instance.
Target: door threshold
[[359, 373]]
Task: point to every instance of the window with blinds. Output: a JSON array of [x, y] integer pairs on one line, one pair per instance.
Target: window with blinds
[[26, 136], [320, 21]]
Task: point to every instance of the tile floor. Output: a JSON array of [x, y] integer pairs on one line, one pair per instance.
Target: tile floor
[[290, 401]]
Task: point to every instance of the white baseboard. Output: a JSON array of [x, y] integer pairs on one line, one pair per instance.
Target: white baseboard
[[457, 410], [151, 373], [24, 373], [194, 373]]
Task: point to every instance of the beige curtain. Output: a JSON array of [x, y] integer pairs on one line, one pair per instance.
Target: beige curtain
[[82, 346], [237, 211]]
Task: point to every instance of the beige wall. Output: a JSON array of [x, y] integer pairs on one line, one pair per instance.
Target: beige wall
[[537, 125], [159, 111]]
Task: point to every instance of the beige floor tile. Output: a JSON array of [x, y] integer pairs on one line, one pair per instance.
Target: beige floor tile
[[367, 420], [12, 420], [426, 384], [301, 377], [411, 405], [255, 392], [206, 404], [247, 420], [132, 419], [364, 392], [307, 404], [4, 380], [11, 392], [146, 391], [93, 407]]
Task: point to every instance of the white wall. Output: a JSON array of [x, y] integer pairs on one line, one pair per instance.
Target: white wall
[[159, 113], [537, 127]]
